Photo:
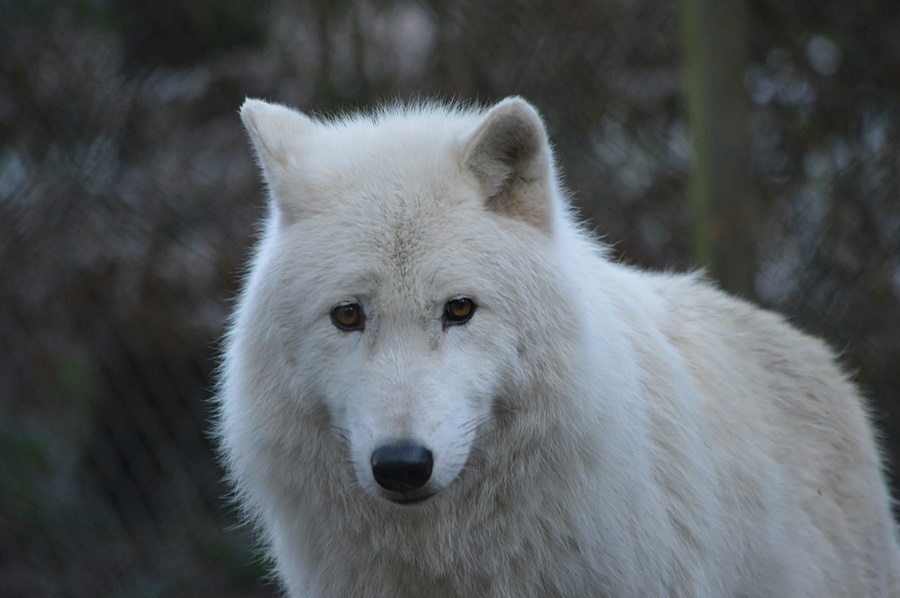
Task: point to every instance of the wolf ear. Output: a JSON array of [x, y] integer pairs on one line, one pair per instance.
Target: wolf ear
[[277, 133], [510, 157]]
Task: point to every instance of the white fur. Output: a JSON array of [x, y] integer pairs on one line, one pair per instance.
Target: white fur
[[596, 430]]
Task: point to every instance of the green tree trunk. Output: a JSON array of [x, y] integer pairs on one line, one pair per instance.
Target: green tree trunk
[[724, 205]]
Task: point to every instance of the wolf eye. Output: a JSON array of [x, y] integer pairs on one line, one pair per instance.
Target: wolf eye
[[348, 316], [458, 310]]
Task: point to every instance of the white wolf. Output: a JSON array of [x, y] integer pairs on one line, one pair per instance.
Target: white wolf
[[436, 384]]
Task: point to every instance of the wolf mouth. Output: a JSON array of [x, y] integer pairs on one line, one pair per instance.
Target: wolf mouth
[[411, 500]]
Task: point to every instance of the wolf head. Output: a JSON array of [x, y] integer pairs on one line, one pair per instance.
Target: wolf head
[[394, 300]]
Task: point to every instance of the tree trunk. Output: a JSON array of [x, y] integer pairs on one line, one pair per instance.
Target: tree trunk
[[724, 205]]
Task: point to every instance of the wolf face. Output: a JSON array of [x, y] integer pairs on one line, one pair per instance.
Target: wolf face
[[424, 323], [388, 284]]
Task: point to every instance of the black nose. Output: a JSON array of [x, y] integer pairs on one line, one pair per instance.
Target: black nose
[[401, 467]]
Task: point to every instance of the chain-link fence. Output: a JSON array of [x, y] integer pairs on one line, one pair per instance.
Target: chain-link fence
[[128, 199]]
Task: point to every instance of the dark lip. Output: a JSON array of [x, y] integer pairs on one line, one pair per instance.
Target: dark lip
[[410, 500]]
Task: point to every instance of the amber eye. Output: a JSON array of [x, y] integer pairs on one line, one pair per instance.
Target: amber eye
[[458, 311], [348, 316]]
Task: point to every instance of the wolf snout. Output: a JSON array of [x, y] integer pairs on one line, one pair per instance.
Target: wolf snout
[[402, 467]]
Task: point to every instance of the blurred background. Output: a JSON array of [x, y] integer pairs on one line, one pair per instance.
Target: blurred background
[[129, 201]]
